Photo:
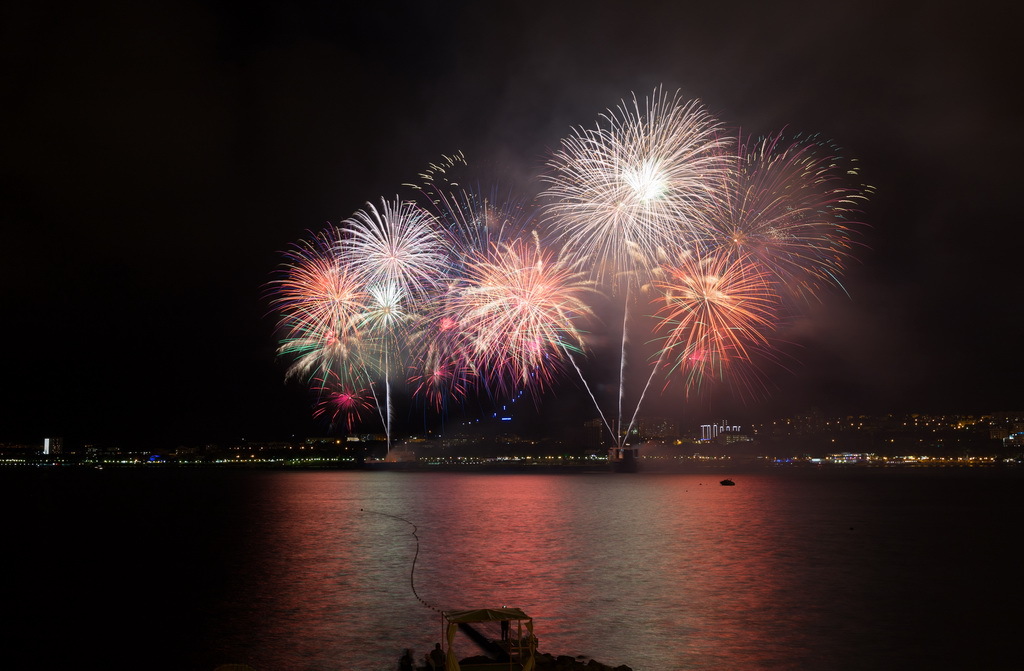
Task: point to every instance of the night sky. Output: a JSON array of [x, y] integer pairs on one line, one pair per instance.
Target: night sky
[[159, 156]]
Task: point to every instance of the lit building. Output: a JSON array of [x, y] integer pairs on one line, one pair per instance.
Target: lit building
[[713, 431], [52, 445]]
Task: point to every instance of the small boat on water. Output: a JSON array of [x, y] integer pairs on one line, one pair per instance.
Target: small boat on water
[[515, 651], [727, 483]]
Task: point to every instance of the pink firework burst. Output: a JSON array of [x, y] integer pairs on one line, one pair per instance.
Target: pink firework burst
[[341, 404], [443, 366], [320, 303], [519, 307], [714, 312]]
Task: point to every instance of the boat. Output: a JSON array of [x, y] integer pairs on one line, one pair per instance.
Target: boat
[[516, 651], [727, 483]]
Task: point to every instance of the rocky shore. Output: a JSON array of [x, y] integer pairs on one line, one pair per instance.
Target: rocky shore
[[546, 662]]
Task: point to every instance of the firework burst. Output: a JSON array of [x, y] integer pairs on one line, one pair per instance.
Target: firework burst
[[714, 312], [340, 404], [519, 307], [385, 324], [789, 208], [320, 303], [460, 294], [386, 310], [442, 375], [400, 254], [399, 245], [474, 221], [446, 358], [443, 365], [635, 188]]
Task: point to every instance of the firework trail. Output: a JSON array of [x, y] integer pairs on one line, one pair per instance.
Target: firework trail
[[441, 172], [788, 207], [385, 324], [400, 255], [634, 191]]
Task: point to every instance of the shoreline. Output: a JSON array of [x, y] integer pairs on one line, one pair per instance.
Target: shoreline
[[724, 466]]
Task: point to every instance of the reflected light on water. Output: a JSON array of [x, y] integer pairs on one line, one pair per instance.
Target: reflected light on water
[[313, 570], [654, 571]]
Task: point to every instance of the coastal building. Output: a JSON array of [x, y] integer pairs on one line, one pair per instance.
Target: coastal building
[[709, 432], [594, 433], [657, 427]]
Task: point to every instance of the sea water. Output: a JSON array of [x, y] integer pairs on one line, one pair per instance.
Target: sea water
[[790, 569]]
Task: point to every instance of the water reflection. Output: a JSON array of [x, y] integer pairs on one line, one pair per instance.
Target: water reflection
[[311, 570], [654, 571]]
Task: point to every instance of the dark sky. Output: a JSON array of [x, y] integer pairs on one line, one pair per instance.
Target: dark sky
[[158, 157]]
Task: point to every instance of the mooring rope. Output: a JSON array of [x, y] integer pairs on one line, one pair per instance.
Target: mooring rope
[[412, 570]]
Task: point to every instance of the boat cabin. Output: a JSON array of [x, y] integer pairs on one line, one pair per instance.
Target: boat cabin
[[514, 650]]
